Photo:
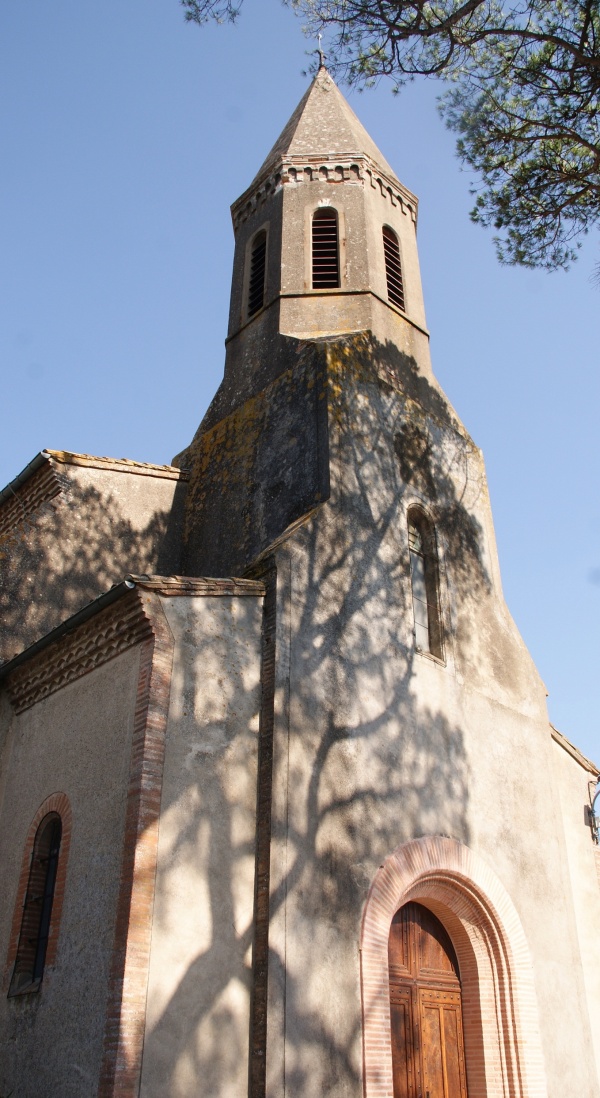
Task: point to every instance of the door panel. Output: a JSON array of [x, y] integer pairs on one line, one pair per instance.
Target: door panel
[[454, 1065], [425, 1007], [433, 1066], [403, 1050]]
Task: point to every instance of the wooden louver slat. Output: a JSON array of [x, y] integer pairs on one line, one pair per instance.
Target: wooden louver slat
[[393, 268], [325, 250], [256, 287]]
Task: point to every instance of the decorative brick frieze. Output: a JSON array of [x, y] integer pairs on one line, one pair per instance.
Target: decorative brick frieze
[[108, 633], [101, 638], [56, 802], [335, 169], [500, 1019], [25, 505]]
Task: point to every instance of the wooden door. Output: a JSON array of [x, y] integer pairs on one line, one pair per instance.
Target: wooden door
[[425, 1004]]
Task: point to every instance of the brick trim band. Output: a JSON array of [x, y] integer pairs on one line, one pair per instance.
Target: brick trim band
[[128, 981], [260, 951], [500, 1017], [56, 802]]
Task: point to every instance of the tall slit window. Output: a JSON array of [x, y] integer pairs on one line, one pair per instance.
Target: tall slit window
[[258, 266], [393, 267], [37, 907], [424, 581], [325, 250]]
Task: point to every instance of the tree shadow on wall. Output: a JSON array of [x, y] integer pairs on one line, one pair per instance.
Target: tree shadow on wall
[[68, 551], [366, 753]]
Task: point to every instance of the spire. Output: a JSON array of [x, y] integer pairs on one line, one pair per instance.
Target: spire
[[323, 125]]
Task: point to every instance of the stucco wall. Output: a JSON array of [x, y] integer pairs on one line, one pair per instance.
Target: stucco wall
[[584, 878], [78, 742], [200, 968], [377, 744], [61, 551]]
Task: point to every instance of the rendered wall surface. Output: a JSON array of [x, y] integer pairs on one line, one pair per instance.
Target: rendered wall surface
[[258, 470], [572, 781], [200, 968], [377, 744], [76, 741], [74, 530]]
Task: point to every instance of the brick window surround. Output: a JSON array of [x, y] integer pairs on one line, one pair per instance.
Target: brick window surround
[[59, 803], [500, 1017]]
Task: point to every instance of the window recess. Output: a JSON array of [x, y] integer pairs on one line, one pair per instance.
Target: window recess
[[393, 267], [258, 267], [424, 583], [37, 907], [325, 250]]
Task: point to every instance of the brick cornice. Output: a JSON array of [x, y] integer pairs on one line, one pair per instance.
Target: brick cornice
[[28, 499], [102, 631], [335, 168], [99, 639]]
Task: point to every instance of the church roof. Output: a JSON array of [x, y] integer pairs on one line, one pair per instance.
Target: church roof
[[323, 124]]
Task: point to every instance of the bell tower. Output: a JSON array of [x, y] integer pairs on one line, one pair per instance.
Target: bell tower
[[324, 160], [325, 249]]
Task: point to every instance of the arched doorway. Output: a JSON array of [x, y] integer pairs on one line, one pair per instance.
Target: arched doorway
[[428, 1057], [503, 1050]]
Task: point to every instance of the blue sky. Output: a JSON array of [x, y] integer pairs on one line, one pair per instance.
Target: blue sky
[[125, 135]]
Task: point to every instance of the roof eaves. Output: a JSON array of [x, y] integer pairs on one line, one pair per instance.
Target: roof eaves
[[199, 585], [575, 753], [163, 585], [67, 626], [120, 465], [17, 482]]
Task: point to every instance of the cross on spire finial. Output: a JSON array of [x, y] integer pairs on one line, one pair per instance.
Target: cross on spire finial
[[320, 53]]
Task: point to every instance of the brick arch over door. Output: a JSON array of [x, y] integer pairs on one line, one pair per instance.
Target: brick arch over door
[[502, 1041]]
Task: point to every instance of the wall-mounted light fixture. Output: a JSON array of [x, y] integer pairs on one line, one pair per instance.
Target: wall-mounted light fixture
[[594, 811]]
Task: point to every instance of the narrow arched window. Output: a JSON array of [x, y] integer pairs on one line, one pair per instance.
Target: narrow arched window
[[393, 267], [258, 267], [37, 907], [424, 581], [325, 250]]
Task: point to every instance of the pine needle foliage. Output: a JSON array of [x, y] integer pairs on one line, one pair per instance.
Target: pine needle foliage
[[521, 89]]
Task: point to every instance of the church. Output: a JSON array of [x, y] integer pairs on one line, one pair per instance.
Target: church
[[282, 814]]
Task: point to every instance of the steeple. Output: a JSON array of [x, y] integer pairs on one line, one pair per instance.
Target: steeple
[[325, 246], [326, 297], [323, 126], [325, 243]]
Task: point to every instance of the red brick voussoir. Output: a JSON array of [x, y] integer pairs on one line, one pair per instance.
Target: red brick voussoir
[[500, 1016], [59, 803]]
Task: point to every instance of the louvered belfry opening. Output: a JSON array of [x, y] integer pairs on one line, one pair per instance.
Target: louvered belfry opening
[[325, 250], [393, 267], [37, 908], [256, 286]]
